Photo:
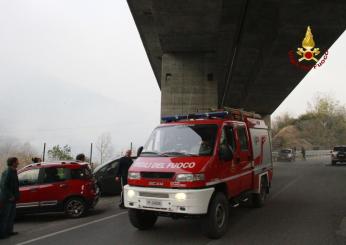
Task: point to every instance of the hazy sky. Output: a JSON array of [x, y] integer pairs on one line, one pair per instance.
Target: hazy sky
[[73, 69]]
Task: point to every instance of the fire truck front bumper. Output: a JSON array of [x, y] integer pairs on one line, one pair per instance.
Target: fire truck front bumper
[[181, 201]]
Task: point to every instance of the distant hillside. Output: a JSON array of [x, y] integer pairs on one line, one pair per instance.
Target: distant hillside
[[290, 137], [323, 126]]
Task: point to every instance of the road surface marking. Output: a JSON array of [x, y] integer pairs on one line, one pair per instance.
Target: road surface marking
[[71, 229]]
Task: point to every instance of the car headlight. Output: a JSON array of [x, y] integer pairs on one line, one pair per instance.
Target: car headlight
[[134, 175], [131, 193], [189, 177], [180, 196]]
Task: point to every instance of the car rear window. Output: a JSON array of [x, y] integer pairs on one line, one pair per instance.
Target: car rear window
[[81, 173], [340, 148], [53, 174]]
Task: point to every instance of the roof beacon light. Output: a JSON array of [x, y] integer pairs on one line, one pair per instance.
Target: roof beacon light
[[204, 115]]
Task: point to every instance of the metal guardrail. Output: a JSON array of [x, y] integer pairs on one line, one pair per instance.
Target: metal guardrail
[[308, 154]]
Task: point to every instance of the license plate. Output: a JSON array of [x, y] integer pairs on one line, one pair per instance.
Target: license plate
[[154, 203]]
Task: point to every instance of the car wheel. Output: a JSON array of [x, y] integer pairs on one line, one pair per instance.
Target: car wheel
[[142, 220], [215, 223], [75, 207], [333, 162], [258, 199]]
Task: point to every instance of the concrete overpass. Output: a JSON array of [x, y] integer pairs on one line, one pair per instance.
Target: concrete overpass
[[213, 53]]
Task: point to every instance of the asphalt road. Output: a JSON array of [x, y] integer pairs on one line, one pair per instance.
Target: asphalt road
[[307, 205]]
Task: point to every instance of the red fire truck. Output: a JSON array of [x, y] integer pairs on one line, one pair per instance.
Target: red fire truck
[[199, 165]]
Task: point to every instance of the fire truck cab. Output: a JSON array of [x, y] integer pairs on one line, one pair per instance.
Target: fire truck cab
[[199, 165]]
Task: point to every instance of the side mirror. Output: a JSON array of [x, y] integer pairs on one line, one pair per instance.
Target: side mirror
[[225, 152], [139, 151]]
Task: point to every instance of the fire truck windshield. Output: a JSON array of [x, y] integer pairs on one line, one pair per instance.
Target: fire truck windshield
[[181, 140]]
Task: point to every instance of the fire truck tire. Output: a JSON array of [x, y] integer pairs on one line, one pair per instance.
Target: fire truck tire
[[258, 199], [142, 220], [215, 223]]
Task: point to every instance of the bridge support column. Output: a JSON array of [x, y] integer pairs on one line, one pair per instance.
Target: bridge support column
[[188, 83], [267, 120]]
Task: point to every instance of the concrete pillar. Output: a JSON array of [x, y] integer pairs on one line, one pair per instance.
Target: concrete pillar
[[267, 120], [188, 83]]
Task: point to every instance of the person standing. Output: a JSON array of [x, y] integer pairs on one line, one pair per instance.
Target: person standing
[[9, 194], [303, 153], [124, 164]]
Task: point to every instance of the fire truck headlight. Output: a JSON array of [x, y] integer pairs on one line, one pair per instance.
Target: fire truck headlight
[[180, 196], [134, 175], [189, 177], [131, 193]]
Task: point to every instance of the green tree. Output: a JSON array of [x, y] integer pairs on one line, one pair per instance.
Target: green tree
[[60, 153], [324, 124]]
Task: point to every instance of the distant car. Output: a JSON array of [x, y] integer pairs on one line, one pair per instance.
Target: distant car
[[286, 155], [338, 154], [59, 186], [105, 176]]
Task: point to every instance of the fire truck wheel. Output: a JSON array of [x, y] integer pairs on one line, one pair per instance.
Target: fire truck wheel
[[142, 220], [215, 223], [258, 199]]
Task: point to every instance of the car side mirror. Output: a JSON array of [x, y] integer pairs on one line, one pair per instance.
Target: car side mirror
[[139, 151], [225, 152]]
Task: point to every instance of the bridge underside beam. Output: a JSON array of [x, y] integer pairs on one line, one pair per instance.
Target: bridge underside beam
[[235, 53]]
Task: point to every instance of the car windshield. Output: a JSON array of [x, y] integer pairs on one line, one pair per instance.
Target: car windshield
[[181, 140], [340, 148], [286, 151]]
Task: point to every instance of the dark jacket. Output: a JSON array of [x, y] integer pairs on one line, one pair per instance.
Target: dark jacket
[[124, 165], [9, 185]]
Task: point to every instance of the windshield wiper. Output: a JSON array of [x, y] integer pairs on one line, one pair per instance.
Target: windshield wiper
[[155, 153], [150, 152], [167, 154], [176, 153]]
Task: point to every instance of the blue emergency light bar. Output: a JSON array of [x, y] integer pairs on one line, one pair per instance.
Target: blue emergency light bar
[[218, 114]]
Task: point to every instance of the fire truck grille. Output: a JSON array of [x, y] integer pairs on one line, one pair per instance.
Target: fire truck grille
[[156, 175], [150, 194]]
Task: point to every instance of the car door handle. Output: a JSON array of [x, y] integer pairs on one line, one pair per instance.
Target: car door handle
[[63, 185], [33, 189]]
